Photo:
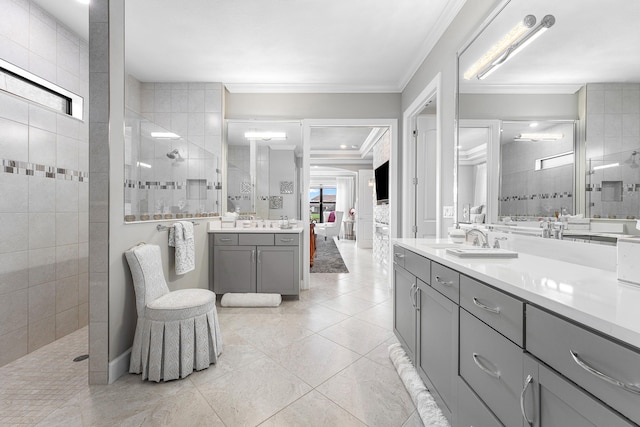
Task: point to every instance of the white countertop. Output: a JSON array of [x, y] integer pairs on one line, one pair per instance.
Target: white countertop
[[294, 230], [590, 296]]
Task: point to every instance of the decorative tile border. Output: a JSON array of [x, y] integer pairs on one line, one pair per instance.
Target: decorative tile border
[[536, 196], [164, 185], [34, 169]]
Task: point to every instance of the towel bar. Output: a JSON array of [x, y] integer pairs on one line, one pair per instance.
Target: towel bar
[[161, 227]]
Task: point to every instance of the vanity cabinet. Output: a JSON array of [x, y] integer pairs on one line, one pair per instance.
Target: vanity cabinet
[[606, 369], [426, 324], [549, 400], [255, 262]]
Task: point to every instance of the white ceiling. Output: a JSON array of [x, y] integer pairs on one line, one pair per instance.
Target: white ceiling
[[276, 45], [591, 41]]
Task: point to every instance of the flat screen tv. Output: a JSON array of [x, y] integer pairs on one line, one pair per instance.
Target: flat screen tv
[[382, 183]]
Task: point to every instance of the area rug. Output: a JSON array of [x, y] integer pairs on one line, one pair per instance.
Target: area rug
[[428, 410], [328, 258]]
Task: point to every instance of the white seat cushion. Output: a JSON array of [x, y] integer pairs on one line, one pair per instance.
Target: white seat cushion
[[181, 304]]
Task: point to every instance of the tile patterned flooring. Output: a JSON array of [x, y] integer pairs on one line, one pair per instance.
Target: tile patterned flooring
[[319, 361]]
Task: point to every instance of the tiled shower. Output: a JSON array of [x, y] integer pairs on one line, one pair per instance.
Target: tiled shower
[[44, 186]]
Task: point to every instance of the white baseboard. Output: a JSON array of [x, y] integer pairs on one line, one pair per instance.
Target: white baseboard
[[119, 366]]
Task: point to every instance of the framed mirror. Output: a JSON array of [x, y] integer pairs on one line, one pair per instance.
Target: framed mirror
[[542, 62]]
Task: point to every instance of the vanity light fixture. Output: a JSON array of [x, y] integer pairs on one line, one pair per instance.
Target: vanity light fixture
[[165, 135], [535, 137], [143, 165], [533, 124], [607, 166], [84, 1], [507, 47], [265, 136], [371, 182], [343, 146]]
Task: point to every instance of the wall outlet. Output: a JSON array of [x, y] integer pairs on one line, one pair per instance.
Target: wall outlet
[[447, 211]]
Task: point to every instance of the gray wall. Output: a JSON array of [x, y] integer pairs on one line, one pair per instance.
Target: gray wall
[[312, 106], [442, 59], [519, 107], [44, 279]]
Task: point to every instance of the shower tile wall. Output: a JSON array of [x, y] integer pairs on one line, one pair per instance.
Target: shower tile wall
[[44, 232], [193, 111], [613, 135]]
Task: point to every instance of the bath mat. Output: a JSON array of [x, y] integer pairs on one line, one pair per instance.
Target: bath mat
[[427, 408], [327, 258], [250, 300]]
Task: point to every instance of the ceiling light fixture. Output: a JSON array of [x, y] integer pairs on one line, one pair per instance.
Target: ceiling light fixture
[[266, 135], [610, 165], [509, 45], [533, 124], [165, 135], [343, 146], [538, 137]]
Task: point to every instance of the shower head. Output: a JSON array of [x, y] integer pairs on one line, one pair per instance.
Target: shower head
[[174, 154]]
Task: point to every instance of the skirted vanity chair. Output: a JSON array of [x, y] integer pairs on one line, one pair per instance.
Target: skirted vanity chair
[[330, 228], [177, 331]]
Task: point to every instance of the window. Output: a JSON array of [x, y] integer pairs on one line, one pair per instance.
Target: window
[[19, 82], [321, 200]]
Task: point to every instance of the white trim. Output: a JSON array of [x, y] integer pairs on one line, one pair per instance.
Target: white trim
[[409, 118], [310, 88], [119, 366], [559, 89], [438, 29]]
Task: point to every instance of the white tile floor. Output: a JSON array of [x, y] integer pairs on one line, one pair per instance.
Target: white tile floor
[[319, 361]]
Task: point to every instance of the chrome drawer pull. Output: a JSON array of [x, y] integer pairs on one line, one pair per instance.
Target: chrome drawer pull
[[522, 393], [414, 286], [476, 359], [398, 255], [632, 388], [253, 256], [442, 282], [495, 310], [225, 239], [286, 240]]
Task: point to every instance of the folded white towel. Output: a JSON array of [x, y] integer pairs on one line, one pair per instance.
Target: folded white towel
[[250, 300], [181, 237]]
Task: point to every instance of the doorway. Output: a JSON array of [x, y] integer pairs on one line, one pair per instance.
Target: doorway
[[422, 171]]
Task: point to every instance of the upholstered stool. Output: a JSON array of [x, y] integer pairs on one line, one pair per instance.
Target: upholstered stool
[[177, 331]]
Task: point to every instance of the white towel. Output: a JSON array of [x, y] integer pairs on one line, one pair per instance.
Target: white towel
[[181, 237]]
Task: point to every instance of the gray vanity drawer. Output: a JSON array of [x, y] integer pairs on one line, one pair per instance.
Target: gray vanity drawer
[[398, 255], [446, 281], [499, 310], [471, 411], [492, 365], [418, 265], [225, 239], [255, 239], [552, 340], [288, 239]]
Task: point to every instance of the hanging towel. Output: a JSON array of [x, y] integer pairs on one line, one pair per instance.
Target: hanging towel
[[181, 238]]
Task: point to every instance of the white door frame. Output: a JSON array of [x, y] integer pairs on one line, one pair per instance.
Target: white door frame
[[307, 124], [409, 118]]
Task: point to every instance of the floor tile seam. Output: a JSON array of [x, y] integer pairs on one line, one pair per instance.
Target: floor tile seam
[[340, 406], [350, 349], [195, 386], [285, 407]]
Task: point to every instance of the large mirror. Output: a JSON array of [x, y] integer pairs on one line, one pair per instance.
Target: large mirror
[[564, 90], [264, 169]]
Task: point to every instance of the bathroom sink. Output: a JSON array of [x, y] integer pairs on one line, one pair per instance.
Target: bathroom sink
[[476, 252], [443, 245]]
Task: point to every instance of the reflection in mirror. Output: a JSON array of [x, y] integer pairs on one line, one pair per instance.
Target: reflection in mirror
[[263, 169], [472, 174], [167, 176], [536, 170], [571, 71]]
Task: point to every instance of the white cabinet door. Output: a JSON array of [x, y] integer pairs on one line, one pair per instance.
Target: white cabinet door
[[364, 210]]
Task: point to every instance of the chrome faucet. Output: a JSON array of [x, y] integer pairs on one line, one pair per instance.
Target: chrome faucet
[[496, 242], [479, 235], [546, 228], [558, 230]]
